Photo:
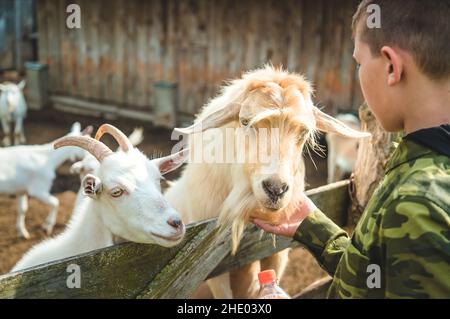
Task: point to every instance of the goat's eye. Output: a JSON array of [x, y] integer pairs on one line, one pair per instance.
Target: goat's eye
[[244, 122], [116, 192]]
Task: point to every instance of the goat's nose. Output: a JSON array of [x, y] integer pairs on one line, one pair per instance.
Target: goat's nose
[[275, 189], [175, 223]]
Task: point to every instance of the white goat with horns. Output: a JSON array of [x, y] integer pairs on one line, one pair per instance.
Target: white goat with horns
[[13, 109], [29, 170], [262, 104], [124, 200]]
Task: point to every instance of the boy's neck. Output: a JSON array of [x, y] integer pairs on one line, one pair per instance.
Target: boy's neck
[[429, 108]]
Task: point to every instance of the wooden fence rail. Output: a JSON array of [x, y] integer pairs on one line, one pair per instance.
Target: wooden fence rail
[[131, 270]]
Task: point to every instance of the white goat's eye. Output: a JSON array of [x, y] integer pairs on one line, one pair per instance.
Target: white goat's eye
[[244, 122], [116, 192]]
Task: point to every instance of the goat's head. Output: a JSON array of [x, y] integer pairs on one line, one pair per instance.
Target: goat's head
[[13, 93], [126, 188], [279, 103]]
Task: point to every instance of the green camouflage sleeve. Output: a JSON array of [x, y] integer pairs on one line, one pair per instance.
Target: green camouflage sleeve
[[324, 239], [416, 238]]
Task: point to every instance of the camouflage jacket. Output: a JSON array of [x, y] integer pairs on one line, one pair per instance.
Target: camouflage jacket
[[401, 246]]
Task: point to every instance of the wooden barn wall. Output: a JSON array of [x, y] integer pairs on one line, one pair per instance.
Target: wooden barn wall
[[16, 14], [125, 46]]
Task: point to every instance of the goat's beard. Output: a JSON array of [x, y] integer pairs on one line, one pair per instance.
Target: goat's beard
[[241, 206]]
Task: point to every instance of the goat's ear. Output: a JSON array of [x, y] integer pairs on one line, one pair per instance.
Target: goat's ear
[[329, 124], [216, 119], [88, 130], [92, 185], [171, 162], [22, 84], [76, 127]]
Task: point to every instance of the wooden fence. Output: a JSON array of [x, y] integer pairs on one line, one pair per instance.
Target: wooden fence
[[125, 46], [131, 270]]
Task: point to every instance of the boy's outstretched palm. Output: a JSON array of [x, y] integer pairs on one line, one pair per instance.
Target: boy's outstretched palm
[[288, 226]]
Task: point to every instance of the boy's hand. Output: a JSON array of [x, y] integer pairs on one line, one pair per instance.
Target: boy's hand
[[289, 226]]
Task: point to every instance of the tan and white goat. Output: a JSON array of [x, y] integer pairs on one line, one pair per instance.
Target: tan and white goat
[[269, 101]]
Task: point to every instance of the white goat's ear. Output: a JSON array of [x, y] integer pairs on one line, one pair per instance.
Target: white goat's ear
[[92, 185], [329, 124], [88, 130], [216, 119], [22, 84], [171, 162], [76, 127]]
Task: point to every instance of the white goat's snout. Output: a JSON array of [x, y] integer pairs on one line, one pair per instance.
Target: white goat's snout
[[275, 188]]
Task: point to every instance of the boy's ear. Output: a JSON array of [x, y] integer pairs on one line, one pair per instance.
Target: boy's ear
[[92, 186], [394, 64], [329, 124]]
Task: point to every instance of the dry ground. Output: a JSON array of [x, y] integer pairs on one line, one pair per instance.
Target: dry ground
[[44, 127]]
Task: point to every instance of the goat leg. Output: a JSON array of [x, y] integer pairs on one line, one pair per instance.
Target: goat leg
[[22, 207]]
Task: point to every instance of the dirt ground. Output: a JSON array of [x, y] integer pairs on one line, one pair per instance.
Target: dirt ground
[[41, 127]]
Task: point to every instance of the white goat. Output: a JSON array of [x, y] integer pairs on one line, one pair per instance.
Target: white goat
[[13, 109], [29, 170], [263, 100], [124, 200], [342, 150]]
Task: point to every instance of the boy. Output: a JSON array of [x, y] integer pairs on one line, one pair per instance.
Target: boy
[[404, 71]]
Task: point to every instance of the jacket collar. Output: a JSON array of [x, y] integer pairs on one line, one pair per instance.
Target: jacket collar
[[405, 152]]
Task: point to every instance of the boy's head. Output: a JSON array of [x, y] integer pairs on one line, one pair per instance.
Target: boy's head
[[411, 46]]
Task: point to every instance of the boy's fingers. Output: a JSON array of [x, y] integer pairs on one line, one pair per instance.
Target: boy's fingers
[[267, 227]]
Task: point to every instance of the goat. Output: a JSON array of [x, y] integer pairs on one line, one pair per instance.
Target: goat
[[124, 199], [265, 99], [29, 170], [13, 108], [342, 151]]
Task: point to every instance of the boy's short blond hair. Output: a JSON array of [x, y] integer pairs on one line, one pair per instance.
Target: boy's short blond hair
[[420, 27]]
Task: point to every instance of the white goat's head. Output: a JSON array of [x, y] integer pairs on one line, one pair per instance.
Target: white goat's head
[[278, 102], [126, 188], [12, 94]]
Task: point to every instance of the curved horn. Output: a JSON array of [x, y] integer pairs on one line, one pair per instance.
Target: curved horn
[[121, 138], [96, 148]]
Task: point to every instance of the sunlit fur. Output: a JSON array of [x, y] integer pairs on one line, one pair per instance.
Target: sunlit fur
[[269, 98]]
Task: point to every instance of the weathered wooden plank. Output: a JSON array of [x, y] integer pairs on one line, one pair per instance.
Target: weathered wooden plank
[[181, 277], [121, 271], [132, 270], [317, 290]]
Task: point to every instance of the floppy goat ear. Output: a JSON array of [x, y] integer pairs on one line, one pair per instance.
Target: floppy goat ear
[[92, 185], [213, 120], [329, 124], [171, 162]]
